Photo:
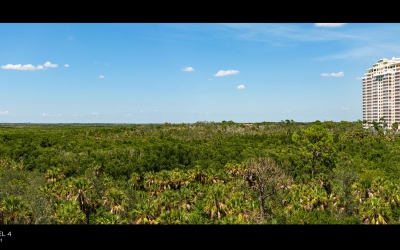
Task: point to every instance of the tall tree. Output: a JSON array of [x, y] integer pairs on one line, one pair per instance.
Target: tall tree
[[315, 145], [266, 178]]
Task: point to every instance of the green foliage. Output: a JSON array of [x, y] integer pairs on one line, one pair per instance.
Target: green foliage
[[315, 145], [193, 173], [68, 212], [13, 210]]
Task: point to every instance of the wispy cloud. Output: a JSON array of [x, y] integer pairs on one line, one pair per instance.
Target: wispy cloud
[[66, 65], [362, 41], [70, 38], [101, 76], [57, 115], [227, 72], [241, 87], [278, 34], [329, 25], [4, 112], [357, 52], [129, 114], [359, 78], [333, 74], [94, 113], [188, 69], [44, 114], [345, 108]]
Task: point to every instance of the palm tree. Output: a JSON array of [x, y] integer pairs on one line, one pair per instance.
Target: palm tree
[[297, 198], [375, 211], [319, 197], [168, 200], [173, 217], [395, 126], [54, 174], [383, 122], [387, 190], [144, 212], [98, 170], [215, 200], [187, 197], [109, 219], [82, 190], [68, 212], [116, 199], [13, 210], [134, 180], [393, 194], [149, 181]]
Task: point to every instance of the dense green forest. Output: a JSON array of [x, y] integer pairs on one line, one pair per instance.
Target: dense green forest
[[203, 173]]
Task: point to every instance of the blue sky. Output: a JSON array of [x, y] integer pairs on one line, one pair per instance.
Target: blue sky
[[184, 73]]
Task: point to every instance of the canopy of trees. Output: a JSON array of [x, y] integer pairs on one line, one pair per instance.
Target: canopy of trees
[[203, 173]]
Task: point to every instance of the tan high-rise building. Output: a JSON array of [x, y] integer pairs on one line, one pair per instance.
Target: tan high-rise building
[[381, 92]]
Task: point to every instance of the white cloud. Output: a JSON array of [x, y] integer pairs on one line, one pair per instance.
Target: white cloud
[[345, 108], [44, 114], [29, 66], [330, 25], [241, 87], [57, 115], [333, 74], [66, 65], [4, 112], [359, 78], [188, 69], [227, 72], [50, 65], [129, 114], [101, 76], [209, 79], [19, 66], [94, 113]]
